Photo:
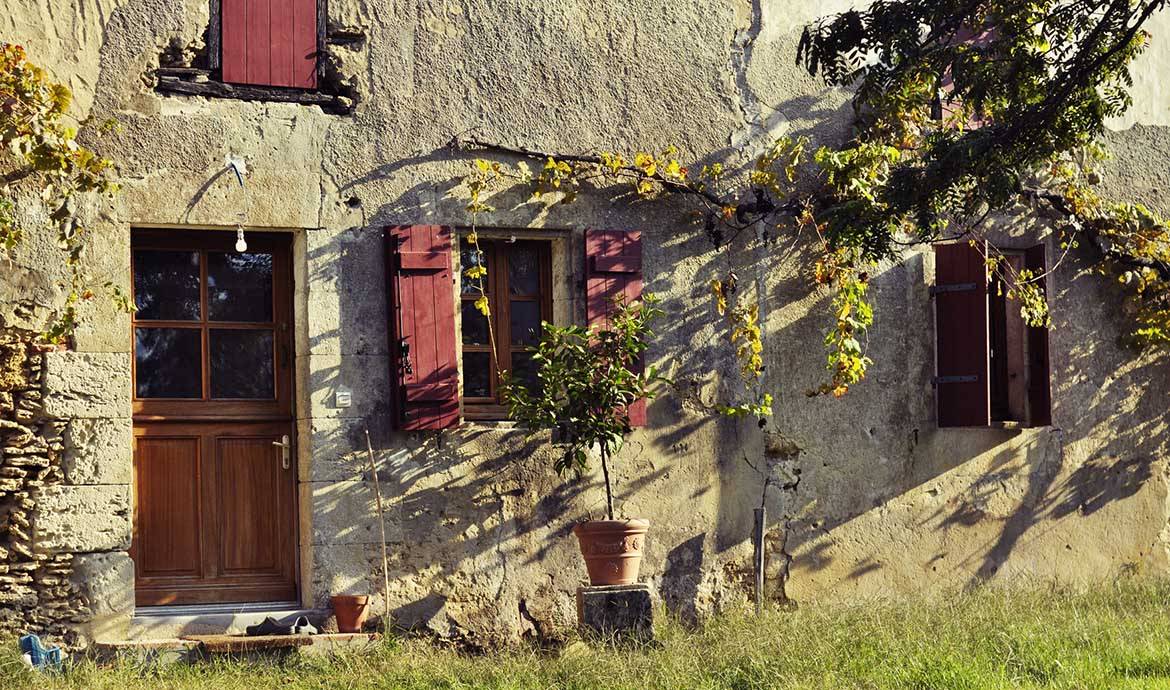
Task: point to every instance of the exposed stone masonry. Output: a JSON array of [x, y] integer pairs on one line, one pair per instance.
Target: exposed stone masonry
[[36, 593]]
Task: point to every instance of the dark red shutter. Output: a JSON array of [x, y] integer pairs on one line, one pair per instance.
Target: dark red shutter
[[422, 327], [960, 322], [947, 85], [1039, 386], [613, 266], [269, 42]]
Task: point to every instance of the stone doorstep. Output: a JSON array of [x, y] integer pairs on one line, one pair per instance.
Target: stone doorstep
[[196, 647], [184, 623]]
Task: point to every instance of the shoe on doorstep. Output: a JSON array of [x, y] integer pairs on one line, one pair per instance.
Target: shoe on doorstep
[[268, 626], [302, 626]]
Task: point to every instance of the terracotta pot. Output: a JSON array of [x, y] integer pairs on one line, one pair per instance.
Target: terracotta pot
[[612, 549], [351, 611]]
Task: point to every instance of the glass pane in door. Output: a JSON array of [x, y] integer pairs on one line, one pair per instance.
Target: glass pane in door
[[166, 285], [239, 287], [241, 363], [168, 363]]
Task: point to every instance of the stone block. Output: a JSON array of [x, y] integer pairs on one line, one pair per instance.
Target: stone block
[[98, 451], [148, 655], [616, 611], [344, 569], [346, 512], [335, 448], [82, 519], [366, 376], [87, 385], [12, 372], [106, 584]]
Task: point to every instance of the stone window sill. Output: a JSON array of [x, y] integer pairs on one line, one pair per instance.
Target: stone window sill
[[193, 81]]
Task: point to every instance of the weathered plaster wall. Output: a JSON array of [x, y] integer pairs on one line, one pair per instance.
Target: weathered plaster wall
[[873, 499]]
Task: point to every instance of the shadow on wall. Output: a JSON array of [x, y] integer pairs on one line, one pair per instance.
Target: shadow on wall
[[482, 525], [1033, 503]]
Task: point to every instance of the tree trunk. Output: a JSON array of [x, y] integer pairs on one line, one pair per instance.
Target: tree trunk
[[608, 488]]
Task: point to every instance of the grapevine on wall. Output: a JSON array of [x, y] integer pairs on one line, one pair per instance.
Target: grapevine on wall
[[965, 110]]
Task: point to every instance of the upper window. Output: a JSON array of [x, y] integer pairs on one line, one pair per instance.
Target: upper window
[[518, 291], [267, 42]]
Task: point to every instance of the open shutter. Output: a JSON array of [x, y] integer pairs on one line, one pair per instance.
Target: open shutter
[[269, 42], [613, 266], [944, 107], [1039, 387], [960, 321], [422, 327]]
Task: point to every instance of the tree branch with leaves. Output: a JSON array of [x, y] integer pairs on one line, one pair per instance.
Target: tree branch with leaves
[[42, 160], [964, 110]]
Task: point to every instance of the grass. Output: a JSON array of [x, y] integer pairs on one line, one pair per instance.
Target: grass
[[1115, 638]]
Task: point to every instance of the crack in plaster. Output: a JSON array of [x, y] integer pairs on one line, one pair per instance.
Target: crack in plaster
[[739, 62]]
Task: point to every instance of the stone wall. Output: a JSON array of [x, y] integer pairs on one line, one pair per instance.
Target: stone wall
[[867, 496], [48, 580]]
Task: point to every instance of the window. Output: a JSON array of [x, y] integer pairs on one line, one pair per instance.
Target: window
[[210, 329], [267, 42], [262, 50], [992, 368], [423, 296], [518, 289], [1008, 352]]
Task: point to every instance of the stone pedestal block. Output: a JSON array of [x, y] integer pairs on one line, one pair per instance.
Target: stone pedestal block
[[105, 582], [620, 611]]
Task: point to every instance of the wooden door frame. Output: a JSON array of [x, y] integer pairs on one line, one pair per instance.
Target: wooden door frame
[[159, 418]]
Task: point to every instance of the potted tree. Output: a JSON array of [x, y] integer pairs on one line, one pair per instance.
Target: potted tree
[[586, 380]]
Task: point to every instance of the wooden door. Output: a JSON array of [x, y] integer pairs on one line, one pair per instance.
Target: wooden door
[[215, 513]]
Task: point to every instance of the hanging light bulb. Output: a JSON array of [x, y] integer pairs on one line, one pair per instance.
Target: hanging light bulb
[[241, 243]]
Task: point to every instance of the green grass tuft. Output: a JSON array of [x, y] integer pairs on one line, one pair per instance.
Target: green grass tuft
[[1111, 639]]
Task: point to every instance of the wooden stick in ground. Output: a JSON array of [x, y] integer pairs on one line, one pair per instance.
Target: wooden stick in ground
[[382, 525]]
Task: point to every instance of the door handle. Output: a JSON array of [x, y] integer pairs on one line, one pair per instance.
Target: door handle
[[285, 450]]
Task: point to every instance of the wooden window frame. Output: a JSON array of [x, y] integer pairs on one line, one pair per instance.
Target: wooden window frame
[[499, 303], [1007, 353], [279, 407], [215, 50]]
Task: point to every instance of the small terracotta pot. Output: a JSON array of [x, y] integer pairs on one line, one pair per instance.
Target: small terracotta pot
[[351, 611], [612, 549]]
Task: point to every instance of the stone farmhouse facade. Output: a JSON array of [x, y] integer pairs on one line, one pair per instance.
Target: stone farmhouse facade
[[209, 450]]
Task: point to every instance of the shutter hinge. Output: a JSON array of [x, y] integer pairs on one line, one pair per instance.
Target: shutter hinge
[[953, 287], [972, 378]]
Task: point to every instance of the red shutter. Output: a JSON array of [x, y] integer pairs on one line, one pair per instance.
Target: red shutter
[[947, 85], [422, 327], [960, 322], [613, 266], [1039, 388], [269, 42]]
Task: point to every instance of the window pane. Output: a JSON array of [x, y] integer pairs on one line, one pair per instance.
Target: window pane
[[477, 375], [239, 287], [469, 258], [523, 270], [475, 325], [524, 369], [166, 285], [525, 323], [168, 363], [241, 364]]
